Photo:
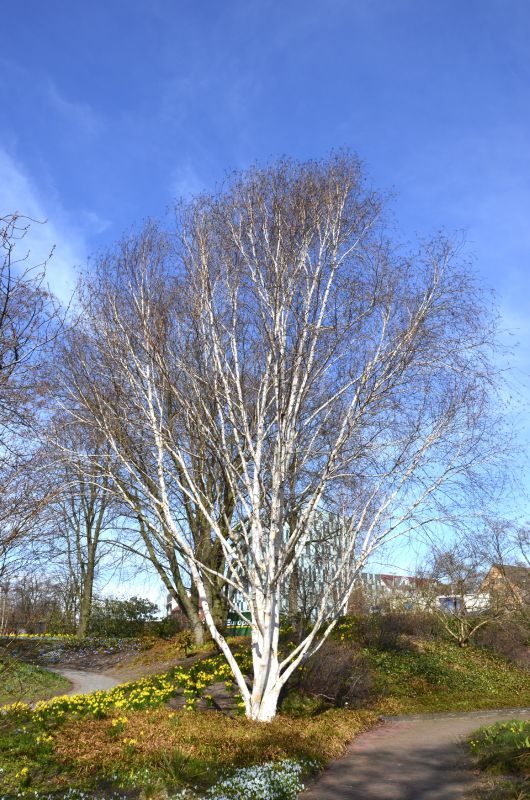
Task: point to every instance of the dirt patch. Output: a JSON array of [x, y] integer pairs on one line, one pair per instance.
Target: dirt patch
[[217, 697]]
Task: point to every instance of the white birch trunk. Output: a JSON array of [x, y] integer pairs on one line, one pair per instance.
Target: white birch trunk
[[265, 659]]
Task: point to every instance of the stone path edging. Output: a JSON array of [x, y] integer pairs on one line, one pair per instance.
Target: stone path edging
[[456, 714]]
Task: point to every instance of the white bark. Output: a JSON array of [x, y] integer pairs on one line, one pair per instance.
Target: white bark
[[321, 371]]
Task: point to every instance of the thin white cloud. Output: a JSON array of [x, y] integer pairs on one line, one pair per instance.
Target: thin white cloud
[[185, 182], [93, 223], [77, 114], [19, 194]]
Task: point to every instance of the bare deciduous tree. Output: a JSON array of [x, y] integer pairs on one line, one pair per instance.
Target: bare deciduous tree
[[29, 321], [452, 589], [285, 340], [136, 485], [506, 547], [523, 544], [82, 515]]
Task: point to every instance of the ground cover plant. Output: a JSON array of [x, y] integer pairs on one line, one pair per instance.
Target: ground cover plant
[[26, 682], [503, 751], [439, 676], [271, 781], [393, 671], [161, 733]]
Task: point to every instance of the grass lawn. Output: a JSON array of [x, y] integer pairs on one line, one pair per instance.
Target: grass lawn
[[26, 683]]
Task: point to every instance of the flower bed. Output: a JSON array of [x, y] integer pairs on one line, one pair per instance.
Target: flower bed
[[149, 692], [130, 739]]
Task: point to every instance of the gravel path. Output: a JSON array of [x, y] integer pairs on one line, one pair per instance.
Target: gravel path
[[86, 682], [408, 758]]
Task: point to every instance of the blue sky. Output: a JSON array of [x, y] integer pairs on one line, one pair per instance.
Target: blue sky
[[111, 109]]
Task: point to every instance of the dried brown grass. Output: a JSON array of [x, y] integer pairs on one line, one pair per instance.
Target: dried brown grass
[[209, 737]]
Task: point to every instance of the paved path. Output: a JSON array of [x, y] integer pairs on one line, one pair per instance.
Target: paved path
[[86, 682], [407, 758]]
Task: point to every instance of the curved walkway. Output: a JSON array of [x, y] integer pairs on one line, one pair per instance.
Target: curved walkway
[[86, 682], [408, 758]]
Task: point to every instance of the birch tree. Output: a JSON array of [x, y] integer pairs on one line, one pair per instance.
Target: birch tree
[[313, 362]]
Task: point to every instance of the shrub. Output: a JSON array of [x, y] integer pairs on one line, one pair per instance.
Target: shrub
[[112, 617], [167, 627], [510, 638], [385, 631], [338, 673]]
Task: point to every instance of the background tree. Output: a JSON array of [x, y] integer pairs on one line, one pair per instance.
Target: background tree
[[308, 356], [82, 514], [135, 479], [505, 547], [39, 604], [523, 544], [452, 588], [29, 322]]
